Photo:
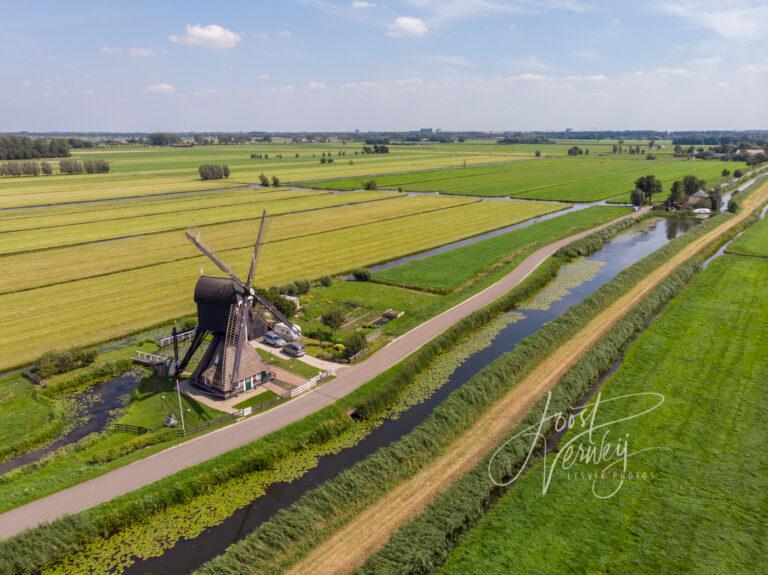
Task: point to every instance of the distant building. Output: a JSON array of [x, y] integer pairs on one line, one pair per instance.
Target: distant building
[[697, 199], [426, 130]]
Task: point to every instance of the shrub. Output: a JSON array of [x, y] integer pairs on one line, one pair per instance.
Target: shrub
[[46, 169], [225, 169], [370, 185], [302, 286], [326, 281], [263, 180], [738, 173], [733, 205], [70, 167], [333, 318], [275, 181], [55, 361], [355, 344], [362, 274], [650, 156], [96, 166]]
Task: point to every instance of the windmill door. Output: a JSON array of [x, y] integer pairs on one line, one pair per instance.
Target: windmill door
[[249, 384]]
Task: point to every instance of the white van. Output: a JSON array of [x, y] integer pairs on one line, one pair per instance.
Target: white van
[[286, 332]]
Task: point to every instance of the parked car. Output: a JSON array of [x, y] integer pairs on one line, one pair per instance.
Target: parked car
[[286, 332], [273, 339], [294, 349]]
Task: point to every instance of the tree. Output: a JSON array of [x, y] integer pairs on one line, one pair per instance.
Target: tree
[[715, 199], [575, 151], [636, 197], [725, 173], [537, 153], [677, 194], [284, 306], [263, 180], [370, 185], [162, 139], [46, 169], [738, 173], [649, 185], [333, 318], [692, 184], [225, 170], [275, 181]]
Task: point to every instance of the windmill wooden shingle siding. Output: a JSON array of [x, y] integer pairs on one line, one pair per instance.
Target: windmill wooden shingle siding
[[226, 314]]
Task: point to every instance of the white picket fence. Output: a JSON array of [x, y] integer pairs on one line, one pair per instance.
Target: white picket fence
[[310, 384]]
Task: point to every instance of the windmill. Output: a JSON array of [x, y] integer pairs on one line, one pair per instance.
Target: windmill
[[232, 312]]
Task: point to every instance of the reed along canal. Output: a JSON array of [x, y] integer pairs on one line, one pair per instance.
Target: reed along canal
[[621, 252]]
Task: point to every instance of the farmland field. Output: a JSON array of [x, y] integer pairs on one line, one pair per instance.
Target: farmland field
[[97, 291], [702, 483], [580, 179]]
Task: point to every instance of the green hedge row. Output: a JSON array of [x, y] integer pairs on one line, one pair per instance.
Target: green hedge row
[[67, 535], [293, 532]]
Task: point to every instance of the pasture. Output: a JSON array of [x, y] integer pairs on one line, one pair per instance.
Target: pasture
[[447, 271], [753, 242], [694, 501], [572, 179]]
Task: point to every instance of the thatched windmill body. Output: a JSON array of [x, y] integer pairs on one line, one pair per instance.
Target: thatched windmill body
[[226, 312]]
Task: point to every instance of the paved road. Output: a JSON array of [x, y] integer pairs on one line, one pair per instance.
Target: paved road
[[179, 457]]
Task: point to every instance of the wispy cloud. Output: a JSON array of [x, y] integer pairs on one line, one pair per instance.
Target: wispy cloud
[[407, 26], [461, 9], [450, 60], [740, 20], [211, 36], [161, 88], [357, 4], [529, 63], [131, 52]]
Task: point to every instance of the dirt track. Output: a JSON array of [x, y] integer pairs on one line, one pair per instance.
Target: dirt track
[[145, 471], [349, 547]]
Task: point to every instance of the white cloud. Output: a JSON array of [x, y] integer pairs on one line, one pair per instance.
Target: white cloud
[[211, 36], [285, 34], [361, 5], [263, 77], [451, 10], [315, 86], [161, 88], [679, 72], [599, 78], [89, 93], [131, 52], [740, 20], [53, 80], [527, 78], [25, 83], [407, 26]]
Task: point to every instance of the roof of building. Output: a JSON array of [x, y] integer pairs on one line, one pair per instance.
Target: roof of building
[[251, 364], [215, 290]]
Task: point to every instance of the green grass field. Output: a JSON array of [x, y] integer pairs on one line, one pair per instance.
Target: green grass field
[[753, 242], [579, 179], [701, 506], [447, 271]]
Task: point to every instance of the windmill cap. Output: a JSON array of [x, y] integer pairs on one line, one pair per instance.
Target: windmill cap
[[215, 290]]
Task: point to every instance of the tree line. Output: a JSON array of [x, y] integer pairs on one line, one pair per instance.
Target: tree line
[[26, 148], [67, 167]]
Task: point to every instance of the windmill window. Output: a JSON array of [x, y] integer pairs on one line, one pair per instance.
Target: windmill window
[[216, 360]]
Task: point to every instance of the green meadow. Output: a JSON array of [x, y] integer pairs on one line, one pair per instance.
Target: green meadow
[[572, 179]]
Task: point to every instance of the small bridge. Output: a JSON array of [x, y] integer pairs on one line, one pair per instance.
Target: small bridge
[[150, 359]]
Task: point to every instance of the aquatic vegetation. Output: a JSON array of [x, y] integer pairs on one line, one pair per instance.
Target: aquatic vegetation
[[570, 276]]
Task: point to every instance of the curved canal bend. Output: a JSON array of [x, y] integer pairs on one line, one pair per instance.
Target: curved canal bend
[[188, 554]]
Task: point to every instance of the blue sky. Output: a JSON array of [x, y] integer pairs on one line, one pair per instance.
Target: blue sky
[[392, 65]]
